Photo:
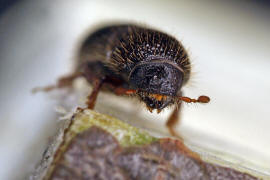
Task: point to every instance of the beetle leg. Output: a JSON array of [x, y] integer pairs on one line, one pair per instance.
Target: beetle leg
[[91, 99], [65, 81], [173, 120]]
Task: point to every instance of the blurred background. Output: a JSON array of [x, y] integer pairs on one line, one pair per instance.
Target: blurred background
[[228, 43]]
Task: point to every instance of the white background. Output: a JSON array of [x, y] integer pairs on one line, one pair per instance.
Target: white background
[[229, 45]]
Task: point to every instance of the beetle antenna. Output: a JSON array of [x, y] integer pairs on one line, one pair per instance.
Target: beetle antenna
[[123, 91], [201, 99]]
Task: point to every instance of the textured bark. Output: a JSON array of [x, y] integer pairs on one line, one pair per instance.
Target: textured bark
[[96, 154], [99, 147]]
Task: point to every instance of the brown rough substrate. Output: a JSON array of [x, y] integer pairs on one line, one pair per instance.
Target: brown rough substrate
[[96, 154]]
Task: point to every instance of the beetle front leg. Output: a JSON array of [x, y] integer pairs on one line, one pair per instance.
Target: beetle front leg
[[174, 119], [91, 99]]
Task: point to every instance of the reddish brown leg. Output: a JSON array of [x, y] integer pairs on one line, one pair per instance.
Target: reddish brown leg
[[93, 96], [65, 81], [174, 119]]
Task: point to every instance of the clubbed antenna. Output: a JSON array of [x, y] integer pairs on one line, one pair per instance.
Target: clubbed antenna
[[201, 99]]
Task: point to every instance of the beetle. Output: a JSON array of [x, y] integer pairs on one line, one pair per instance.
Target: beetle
[[129, 59]]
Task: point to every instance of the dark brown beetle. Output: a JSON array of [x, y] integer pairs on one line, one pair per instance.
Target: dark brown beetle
[[128, 59]]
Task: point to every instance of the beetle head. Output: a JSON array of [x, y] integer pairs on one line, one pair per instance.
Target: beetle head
[[157, 82]]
